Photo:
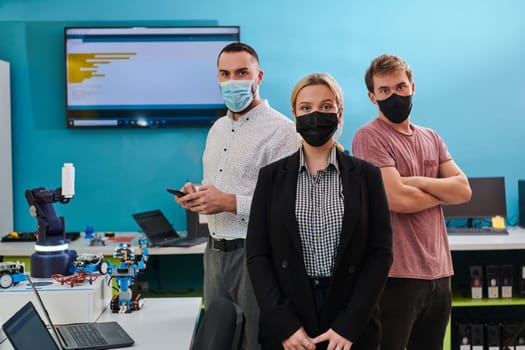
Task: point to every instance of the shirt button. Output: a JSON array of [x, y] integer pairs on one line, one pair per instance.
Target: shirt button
[[284, 264], [225, 150], [233, 130], [220, 170]]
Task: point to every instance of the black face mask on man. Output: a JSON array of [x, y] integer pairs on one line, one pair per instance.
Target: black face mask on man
[[317, 128], [396, 108]]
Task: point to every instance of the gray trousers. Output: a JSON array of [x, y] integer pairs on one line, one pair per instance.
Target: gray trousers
[[226, 275]]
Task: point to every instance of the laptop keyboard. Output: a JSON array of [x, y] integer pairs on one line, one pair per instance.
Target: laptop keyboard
[[86, 335]]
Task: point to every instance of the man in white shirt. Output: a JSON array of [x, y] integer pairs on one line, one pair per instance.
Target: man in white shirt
[[250, 136]]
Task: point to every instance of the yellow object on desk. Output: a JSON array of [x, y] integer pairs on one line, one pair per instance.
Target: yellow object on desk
[[498, 222]]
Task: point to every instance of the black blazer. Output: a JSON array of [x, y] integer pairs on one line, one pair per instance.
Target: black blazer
[[276, 265]]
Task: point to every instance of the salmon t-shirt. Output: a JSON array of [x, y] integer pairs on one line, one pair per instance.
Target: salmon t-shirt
[[420, 240]]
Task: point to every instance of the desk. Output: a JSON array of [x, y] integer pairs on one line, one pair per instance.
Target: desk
[[165, 263], [83, 303], [162, 323], [514, 240], [81, 245]]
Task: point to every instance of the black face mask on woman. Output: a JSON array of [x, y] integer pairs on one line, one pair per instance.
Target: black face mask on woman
[[316, 128], [396, 108]]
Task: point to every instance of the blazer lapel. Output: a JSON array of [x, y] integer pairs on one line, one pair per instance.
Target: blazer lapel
[[352, 194], [289, 191]]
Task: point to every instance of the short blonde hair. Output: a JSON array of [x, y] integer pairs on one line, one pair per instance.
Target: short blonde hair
[[318, 79]]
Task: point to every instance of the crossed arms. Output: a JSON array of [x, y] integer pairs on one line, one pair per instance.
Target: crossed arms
[[415, 193]]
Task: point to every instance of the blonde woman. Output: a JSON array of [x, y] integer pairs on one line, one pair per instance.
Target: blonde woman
[[319, 242]]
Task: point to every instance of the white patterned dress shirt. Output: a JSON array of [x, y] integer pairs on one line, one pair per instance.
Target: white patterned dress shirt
[[235, 151]]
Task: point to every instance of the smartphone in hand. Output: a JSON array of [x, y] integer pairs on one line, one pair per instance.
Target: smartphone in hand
[[176, 192]]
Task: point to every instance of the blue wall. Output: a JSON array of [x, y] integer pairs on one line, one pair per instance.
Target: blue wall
[[467, 57]]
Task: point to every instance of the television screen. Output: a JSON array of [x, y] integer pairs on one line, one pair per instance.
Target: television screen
[[144, 77], [488, 200]]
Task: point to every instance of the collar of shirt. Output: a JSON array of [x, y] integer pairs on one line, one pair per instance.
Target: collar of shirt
[[251, 114], [332, 159]]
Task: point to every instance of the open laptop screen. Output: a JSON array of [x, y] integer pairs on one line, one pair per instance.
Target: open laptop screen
[[155, 225], [25, 330]]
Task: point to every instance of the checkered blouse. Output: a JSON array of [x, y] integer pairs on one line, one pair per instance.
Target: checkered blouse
[[319, 210]]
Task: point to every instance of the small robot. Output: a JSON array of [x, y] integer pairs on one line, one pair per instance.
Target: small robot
[[90, 262], [11, 273], [128, 299]]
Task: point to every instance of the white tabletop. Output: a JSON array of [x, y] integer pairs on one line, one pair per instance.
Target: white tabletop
[[514, 240], [82, 245], [163, 323]]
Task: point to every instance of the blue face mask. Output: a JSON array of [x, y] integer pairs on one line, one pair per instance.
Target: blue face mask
[[237, 94]]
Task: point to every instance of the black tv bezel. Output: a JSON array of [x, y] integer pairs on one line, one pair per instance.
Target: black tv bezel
[[156, 118]]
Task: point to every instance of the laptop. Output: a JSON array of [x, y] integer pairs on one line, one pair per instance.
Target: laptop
[[25, 329], [161, 234]]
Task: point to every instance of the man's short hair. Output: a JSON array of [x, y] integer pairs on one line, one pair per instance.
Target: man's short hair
[[383, 65], [239, 47]]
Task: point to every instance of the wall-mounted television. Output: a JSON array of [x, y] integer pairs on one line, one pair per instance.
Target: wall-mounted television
[[144, 77]]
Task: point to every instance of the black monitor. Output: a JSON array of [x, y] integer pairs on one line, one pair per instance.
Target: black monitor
[[488, 200], [144, 77]]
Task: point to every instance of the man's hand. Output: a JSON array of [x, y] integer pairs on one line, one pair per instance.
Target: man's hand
[[187, 188], [207, 200], [335, 341], [299, 341]]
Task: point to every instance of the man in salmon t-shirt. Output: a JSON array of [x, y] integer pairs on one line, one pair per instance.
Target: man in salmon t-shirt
[[419, 176]]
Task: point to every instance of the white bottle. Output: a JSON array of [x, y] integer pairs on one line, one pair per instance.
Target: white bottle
[[68, 180]]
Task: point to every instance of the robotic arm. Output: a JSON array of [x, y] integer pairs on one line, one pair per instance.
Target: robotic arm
[[52, 255], [50, 227]]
